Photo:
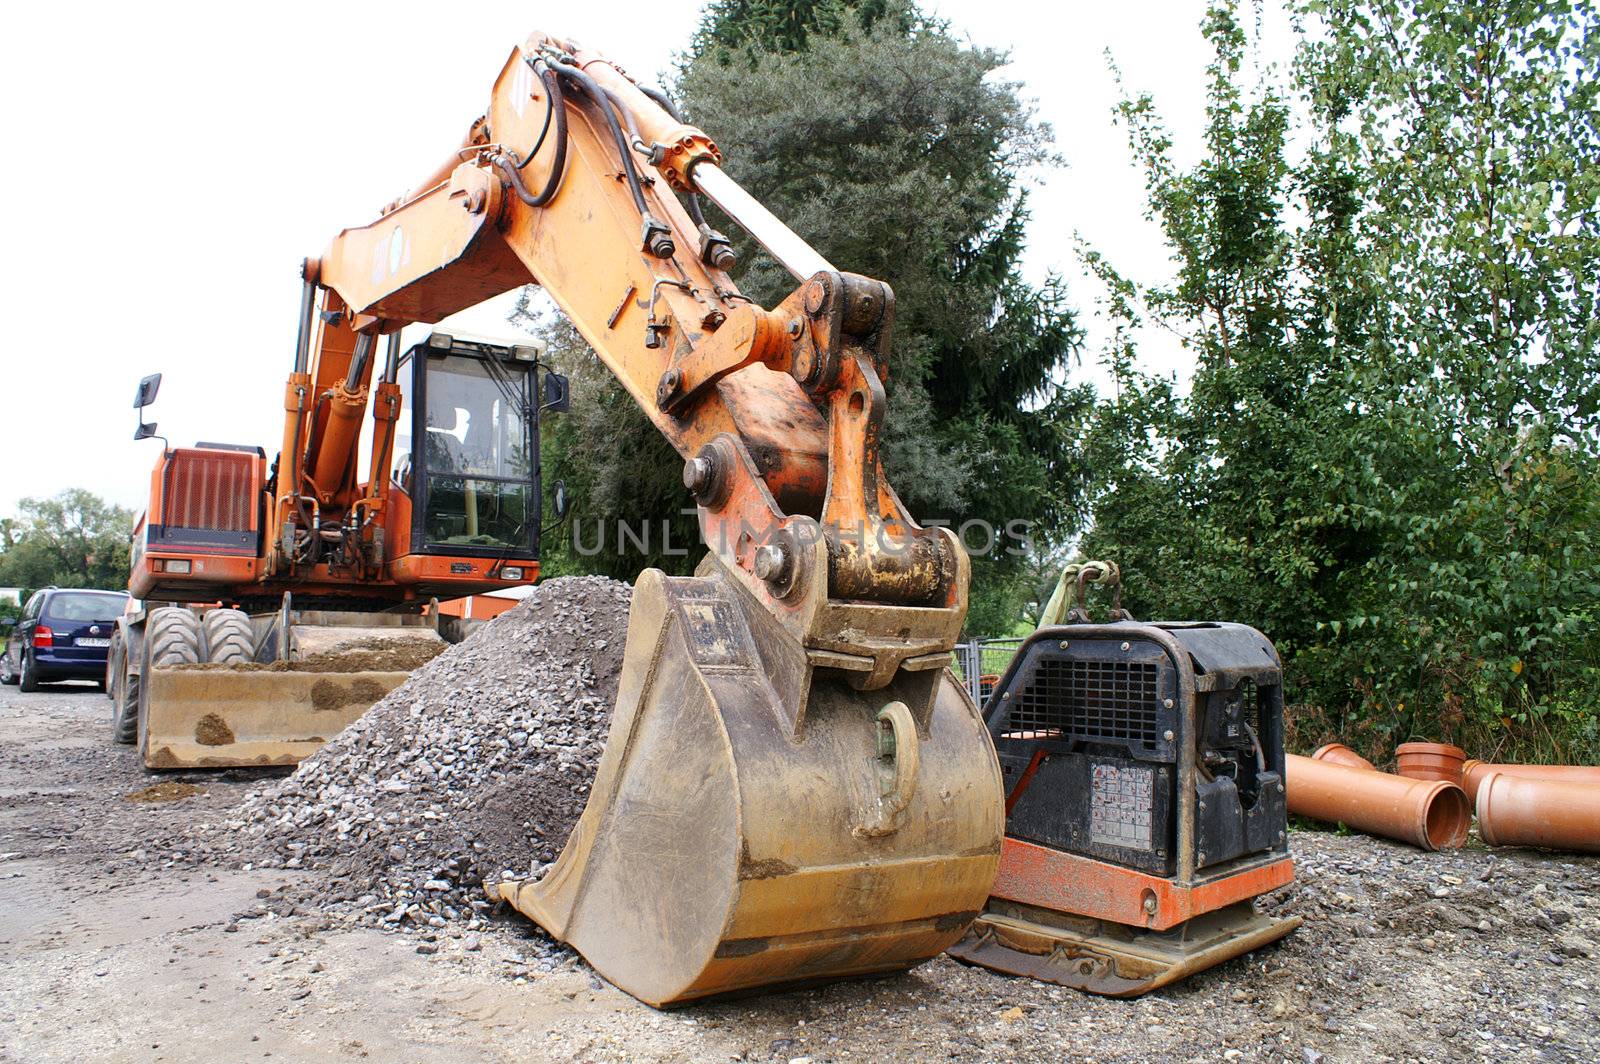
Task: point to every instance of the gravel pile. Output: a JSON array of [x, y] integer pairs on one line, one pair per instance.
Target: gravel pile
[[477, 766]]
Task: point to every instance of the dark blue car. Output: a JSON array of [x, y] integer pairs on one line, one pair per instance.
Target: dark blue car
[[64, 634]]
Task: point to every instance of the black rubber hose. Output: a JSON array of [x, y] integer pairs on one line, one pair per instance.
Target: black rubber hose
[[552, 101], [558, 165], [602, 100]]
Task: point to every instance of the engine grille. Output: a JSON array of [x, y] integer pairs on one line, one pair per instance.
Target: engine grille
[[1093, 700], [211, 490]]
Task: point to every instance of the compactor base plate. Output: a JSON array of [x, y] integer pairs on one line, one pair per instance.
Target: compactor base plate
[[1102, 957]]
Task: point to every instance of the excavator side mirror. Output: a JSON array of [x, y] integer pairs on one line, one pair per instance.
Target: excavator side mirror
[[145, 431], [147, 395], [557, 393], [558, 493]]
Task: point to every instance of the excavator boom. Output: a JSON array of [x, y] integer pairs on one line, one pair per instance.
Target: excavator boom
[[794, 787]]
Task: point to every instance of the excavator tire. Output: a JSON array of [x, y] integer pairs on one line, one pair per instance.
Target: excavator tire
[[229, 639], [122, 687], [125, 717], [171, 637], [114, 665]]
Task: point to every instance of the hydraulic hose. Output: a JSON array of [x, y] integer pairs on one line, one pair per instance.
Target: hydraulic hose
[[602, 101], [657, 235], [510, 167], [553, 103]]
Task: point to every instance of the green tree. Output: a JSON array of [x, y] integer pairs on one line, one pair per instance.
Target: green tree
[[728, 27], [75, 539], [1387, 456], [897, 152]]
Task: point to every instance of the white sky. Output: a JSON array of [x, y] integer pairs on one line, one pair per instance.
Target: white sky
[[171, 164]]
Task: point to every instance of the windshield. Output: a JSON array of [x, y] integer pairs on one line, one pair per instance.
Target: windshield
[[85, 606], [473, 427]]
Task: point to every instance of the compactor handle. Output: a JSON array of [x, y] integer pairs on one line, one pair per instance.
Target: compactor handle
[[899, 757]]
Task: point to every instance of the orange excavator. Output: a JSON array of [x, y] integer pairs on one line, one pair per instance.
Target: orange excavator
[[795, 787], [321, 589]]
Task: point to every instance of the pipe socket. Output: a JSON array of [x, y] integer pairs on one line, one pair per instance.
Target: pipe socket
[[1430, 761], [1433, 815], [1552, 813], [1474, 772], [1340, 754]]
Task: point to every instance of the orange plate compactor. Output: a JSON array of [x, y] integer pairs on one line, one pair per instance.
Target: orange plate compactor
[[1143, 766]]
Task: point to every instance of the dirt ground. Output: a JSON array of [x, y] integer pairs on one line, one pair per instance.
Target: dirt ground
[[118, 950]]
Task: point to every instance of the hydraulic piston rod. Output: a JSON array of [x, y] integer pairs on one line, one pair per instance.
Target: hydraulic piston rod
[[781, 242]]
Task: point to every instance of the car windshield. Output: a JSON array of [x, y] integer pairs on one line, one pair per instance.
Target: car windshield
[[85, 606]]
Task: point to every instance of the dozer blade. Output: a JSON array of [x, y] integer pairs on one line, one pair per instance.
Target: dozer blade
[[1102, 957], [202, 717], [735, 839]]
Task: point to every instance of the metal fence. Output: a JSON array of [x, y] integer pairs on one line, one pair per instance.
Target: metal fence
[[980, 663]]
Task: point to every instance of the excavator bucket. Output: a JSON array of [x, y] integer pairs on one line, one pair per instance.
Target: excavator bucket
[[223, 690], [216, 718], [751, 826]]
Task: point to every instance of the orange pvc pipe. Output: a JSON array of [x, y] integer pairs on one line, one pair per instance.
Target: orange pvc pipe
[[1473, 773], [1431, 814], [1430, 761], [1523, 811], [1340, 754]]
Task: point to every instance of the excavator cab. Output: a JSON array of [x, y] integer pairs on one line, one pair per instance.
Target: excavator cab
[[468, 447]]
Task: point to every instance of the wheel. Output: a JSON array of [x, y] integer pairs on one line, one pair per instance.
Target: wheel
[[125, 718], [29, 677], [114, 662], [171, 637], [8, 675], [229, 639]]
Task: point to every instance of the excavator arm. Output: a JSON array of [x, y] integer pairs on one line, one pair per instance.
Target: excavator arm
[[793, 788]]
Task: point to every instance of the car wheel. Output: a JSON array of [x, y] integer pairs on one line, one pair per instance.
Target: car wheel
[[29, 679], [8, 675]]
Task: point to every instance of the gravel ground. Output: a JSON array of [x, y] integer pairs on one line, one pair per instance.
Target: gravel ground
[[221, 921]]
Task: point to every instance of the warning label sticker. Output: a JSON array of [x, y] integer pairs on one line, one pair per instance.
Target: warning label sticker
[[1120, 799]]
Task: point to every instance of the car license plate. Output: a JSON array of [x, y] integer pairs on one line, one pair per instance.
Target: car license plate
[[86, 642]]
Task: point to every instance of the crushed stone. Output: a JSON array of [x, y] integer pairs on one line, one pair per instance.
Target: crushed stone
[[476, 767]]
